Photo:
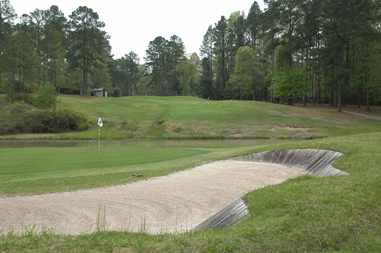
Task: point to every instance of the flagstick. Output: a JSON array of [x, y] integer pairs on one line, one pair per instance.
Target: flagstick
[[99, 139], [100, 125]]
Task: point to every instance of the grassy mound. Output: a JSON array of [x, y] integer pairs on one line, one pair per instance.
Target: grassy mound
[[194, 118]]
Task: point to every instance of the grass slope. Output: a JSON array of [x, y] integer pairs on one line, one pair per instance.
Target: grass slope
[[340, 214], [188, 117]]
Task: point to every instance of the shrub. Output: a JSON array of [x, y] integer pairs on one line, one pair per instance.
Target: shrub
[[45, 98], [65, 120], [23, 118]]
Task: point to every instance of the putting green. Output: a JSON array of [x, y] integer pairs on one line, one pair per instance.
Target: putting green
[[45, 169]]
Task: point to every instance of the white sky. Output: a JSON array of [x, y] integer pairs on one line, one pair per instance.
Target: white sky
[[132, 24]]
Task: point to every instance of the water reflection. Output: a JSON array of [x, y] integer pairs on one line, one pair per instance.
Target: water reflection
[[28, 144], [172, 143]]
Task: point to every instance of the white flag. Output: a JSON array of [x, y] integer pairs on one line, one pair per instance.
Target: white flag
[[100, 122]]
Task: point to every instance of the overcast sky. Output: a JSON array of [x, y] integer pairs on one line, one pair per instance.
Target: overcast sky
[[132, 24]]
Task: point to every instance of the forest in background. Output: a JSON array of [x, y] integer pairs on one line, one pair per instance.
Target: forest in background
[[293, 51]]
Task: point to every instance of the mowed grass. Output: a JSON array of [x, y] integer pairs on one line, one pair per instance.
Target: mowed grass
[[195, 118], [32, 170], [339, 214]]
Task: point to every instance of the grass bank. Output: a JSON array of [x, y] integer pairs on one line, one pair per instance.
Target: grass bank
[[194, 118]]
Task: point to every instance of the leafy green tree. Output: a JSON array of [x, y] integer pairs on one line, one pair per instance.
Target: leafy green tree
[[126, 74], [247, 78], [156, 64], [188, 72], [253, 23], [289, 85], [207, 47], [236, 38], [343, 22], [53, 47], [176, 56], [207, 65], [49, 35], [36, 25], [220, 51], [89, 47], [7, 16], [22, 62], [162, 60], [282, 58], [206, 79]]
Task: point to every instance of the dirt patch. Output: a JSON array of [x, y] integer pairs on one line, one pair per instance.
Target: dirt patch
[[174, 203]]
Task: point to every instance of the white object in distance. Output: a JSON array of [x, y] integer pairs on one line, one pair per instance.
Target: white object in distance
[[100, 122]]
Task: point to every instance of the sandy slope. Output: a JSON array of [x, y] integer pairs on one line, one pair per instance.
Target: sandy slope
[[173, 203]]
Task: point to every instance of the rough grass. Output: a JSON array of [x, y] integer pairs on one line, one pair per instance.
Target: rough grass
[[194, 118], [341, 214]]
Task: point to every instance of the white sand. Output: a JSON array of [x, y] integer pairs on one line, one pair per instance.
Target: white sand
[[173, 203]]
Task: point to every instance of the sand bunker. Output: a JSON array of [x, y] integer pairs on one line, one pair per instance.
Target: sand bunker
[[173, 203], [204, 197], [314, 162]]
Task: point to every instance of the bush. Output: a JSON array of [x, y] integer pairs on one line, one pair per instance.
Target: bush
[[45, 98], [23, 118], [65, 120]]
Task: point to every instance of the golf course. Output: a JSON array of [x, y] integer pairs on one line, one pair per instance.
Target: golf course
[[318, 214], [174, 126]]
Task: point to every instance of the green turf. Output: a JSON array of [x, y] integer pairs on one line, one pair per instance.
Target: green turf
[[302, 215], [188, 117], [340, 214], [44, 169]]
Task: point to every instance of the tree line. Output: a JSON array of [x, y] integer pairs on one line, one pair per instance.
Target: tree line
[[305, 51], [46, 49], [72, 55], [293, 51]]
